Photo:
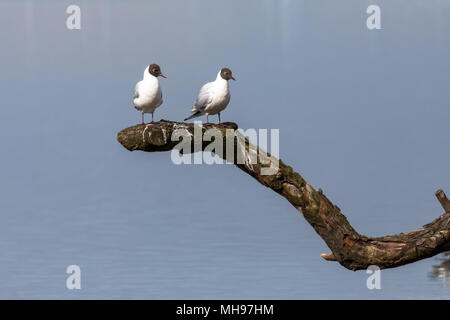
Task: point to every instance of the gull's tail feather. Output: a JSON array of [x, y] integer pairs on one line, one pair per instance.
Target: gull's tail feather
[[195, 115]]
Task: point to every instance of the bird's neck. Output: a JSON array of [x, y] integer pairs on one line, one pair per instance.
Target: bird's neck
[[221, 81], [149, 77]]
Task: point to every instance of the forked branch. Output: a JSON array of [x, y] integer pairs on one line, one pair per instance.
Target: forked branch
[[351, 249]]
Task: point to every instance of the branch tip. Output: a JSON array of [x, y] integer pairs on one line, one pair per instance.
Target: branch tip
[[328, 256], [442, 198]]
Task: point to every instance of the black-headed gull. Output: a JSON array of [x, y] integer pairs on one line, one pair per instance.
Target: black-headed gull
[[147, 93], [213, 96]]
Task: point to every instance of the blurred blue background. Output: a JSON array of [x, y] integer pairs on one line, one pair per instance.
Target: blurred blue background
[[363, 114]]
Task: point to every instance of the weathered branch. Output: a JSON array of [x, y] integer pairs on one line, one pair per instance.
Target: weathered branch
[[445, 203], [348, 247]]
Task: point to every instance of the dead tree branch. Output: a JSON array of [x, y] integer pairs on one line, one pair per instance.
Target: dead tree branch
[[351, 249]]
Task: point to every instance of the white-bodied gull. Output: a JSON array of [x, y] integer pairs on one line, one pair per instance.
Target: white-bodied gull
[[147, 93], [213, 96]]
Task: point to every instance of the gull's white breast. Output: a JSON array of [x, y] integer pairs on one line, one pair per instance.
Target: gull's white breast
[[148, 95], [220, 97]]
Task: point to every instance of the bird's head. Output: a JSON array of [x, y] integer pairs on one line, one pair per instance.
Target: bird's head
[[155, 70], [226, 74]]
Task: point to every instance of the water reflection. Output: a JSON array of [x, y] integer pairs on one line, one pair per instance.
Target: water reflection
[[442, 270]]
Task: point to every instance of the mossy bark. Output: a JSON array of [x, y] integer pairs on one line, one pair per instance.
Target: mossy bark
[[348, 247]]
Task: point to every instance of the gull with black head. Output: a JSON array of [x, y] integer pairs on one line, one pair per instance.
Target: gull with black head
[[213, 96], [147, 93]]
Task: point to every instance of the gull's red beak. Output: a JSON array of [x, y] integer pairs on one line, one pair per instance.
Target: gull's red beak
[[162, 75], [233, 78]]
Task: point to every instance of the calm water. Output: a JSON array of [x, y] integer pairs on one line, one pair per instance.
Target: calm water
[[362, 114]]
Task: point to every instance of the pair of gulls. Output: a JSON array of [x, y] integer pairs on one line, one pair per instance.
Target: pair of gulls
[[212, 98]]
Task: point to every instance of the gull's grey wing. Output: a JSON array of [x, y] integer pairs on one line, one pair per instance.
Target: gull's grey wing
[[204, 97]]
